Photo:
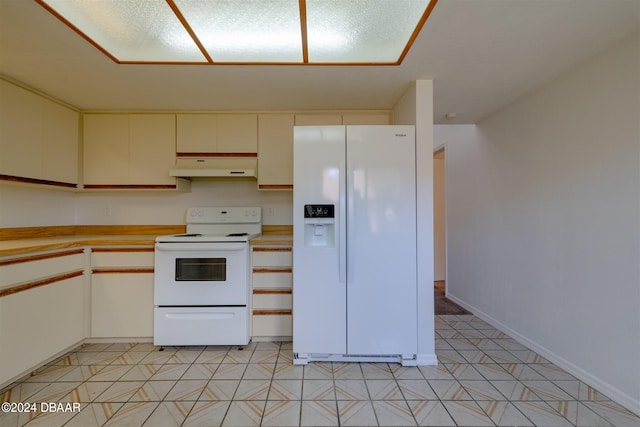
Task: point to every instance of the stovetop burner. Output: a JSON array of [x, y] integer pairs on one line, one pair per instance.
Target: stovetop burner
[[208, 225], [206, 237]]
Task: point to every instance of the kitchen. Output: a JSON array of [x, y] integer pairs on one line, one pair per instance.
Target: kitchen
[[115, 307], [34, 206], [167, 207]]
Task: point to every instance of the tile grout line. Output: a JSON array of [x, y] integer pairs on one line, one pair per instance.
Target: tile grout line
[[462, 346]]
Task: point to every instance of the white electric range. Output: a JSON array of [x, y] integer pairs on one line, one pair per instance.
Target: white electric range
[[201, 280]]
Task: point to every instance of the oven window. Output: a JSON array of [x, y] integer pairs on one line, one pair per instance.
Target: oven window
[[201, 269]]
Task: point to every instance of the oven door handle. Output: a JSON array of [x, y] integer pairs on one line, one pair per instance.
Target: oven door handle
[[212, 247]]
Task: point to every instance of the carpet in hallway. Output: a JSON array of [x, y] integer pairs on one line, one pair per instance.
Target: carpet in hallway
[[443, 305]]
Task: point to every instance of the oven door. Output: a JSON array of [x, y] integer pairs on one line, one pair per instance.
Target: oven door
[[201, 274]]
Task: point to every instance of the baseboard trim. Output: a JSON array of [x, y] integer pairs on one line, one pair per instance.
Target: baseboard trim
[[26, 373], [612, 392], [426, 359], [116, 340]]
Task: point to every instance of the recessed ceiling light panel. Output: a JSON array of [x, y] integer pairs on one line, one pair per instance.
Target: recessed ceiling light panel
[[361, 30], [145, 31], [368, 32], [246, 31]]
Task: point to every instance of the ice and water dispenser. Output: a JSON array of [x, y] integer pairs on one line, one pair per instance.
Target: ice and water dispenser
[[319, 225]]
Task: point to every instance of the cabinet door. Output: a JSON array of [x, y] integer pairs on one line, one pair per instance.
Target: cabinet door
[[152, 149], [122, 292], [106, 149], [275, 151], [237, 133], [60, 145], [366, 118], [122, 305], [196, 133], [318, 119], [39, 323], [20, 132]]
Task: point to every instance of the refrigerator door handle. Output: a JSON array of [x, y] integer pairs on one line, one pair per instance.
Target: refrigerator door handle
[[350, 232], [342, 253]]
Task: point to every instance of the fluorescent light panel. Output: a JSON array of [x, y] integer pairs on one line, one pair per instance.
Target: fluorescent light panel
[[361, 30], [140, 31], [246, 31]]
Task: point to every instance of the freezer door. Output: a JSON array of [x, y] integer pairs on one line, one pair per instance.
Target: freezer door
[[319, 262], [381, 240]]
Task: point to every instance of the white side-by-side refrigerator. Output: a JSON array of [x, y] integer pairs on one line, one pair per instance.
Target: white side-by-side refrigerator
[[354, 261]]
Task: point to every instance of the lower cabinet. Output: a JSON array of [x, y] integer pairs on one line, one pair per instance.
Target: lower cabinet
[[122, 292], [41, 309], [272, 292]]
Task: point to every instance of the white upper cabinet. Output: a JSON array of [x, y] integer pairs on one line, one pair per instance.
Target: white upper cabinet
[[106, 149], [129, 151], [196, 133], [199, 134], [318, 119], [38, 138], [152, 147], [60, 148], [237, 133], [275, 151], [377, 118], [21, 132], [355, 118]]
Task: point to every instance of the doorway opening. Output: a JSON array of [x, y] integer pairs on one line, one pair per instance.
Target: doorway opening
[[439, 218], [442, 305]]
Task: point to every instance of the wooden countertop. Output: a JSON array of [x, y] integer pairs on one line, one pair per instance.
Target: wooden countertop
[[273, 239], [22, 246], [78, 236]]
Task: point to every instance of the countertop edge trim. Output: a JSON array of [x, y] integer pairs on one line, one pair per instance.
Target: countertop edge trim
[[38, 283]]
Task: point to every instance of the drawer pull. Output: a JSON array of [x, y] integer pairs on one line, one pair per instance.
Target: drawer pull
[[271, 291], [257, 249], [272, 270], [272, 312]]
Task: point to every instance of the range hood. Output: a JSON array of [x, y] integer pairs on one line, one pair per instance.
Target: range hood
[[216, 167]]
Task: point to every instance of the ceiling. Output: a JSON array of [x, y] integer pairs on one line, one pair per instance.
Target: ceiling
[[481, 55]]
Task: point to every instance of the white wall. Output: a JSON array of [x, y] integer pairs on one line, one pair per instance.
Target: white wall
[[169, 208], [543, 221], [26, 207], [416, 108]]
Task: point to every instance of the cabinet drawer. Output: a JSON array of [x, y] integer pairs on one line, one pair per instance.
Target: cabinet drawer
[[108, 257], [272, 257], [272, 301], [272, 325], [18, 270], [272, 279]]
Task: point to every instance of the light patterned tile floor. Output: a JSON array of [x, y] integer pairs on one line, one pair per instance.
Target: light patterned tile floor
[[484, 378]]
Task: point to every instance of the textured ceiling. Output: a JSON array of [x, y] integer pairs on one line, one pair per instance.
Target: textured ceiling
[[481, 55]]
